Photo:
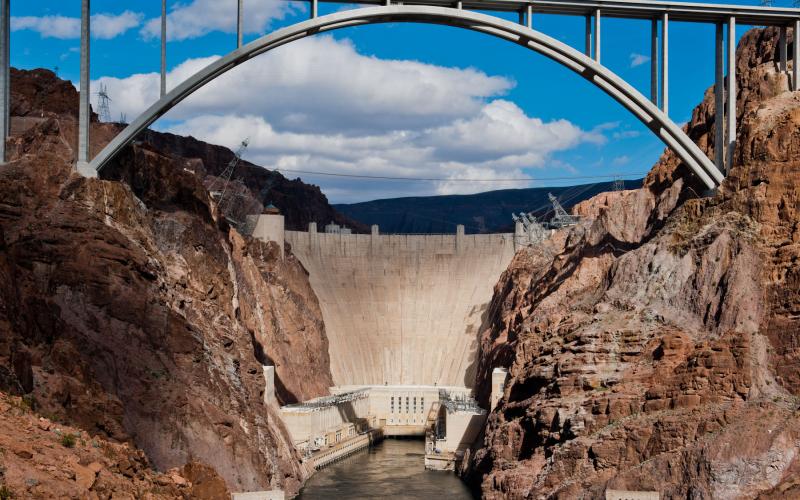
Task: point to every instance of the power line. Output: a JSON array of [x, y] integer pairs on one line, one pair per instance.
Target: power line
[[443, 179]]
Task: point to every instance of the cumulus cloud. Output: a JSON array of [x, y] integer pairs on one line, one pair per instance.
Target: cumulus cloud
[[502, 127], [428, 153], [200, 17], [393, 118], [108, 26], [49, 26], [638, 59], [104, 26], [302, 87]]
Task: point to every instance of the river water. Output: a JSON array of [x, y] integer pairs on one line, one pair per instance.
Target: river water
[[393, 469]]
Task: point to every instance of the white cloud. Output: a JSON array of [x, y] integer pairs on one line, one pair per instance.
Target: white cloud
[[638, 59], [69, 52], [427, 153], [103, 26], [108, 26], [502, 127], [302, 87], [49, 26], [626, 134], [620, 160], [200, 17], [394, 118]]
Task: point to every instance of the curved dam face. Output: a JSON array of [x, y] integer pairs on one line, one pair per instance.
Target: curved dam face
[[403, 309]]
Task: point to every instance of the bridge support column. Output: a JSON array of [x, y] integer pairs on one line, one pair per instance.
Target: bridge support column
[[654, 61], [719, 100], [796, 55], [84, 111], [597, 35], [731, 139], [239, 23], [163, 48], [314, 8], [529, 12], [5, 76], [588, 34], [783, 50], [665, 63]]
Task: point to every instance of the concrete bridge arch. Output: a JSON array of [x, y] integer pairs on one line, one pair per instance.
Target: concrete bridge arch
[[630, 98]]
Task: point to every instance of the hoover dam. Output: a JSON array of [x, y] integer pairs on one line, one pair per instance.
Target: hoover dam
[[402, 309], [402, 315]]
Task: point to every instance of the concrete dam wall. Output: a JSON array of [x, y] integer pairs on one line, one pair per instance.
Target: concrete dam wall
[[403, 309]]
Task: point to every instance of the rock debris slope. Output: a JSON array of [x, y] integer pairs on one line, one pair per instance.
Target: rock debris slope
[[656, 345], [130, 312]]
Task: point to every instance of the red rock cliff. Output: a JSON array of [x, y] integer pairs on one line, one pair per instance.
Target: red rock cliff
[[655, 346], [141, 319]]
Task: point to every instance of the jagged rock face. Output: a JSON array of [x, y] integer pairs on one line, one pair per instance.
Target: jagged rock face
[[39, 92], [655, 346], [45, 459], [299, 202], [143, 319]]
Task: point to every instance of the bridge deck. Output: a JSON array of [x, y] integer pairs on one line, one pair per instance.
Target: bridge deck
[[626, 9]]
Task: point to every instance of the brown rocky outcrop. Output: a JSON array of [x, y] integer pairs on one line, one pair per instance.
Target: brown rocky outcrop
[[45, 459], [655, 345], [300, 203], [130, 312]]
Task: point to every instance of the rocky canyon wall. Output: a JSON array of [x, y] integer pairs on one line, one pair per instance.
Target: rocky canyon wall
[[655, 345], [129, 311]]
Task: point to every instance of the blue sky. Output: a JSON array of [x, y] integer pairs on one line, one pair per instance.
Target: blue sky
[[401, 100]]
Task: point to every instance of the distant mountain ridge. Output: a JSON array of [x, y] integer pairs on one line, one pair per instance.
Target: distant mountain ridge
[[487, 212]]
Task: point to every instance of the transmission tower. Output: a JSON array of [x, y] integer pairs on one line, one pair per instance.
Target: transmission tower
[[533, 229], [766, 3], [619, 184], [561, 217], [102, 104], [219, 187]]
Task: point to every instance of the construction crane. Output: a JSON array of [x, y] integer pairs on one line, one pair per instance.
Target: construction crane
[[561, 217], [103, 110], [219, 187], [243, 209]]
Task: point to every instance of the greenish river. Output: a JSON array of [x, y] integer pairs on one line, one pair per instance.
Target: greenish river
[[393, 469]]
